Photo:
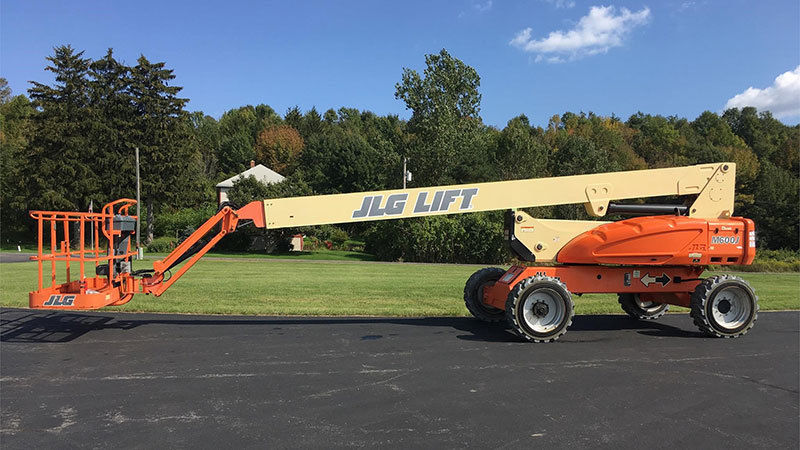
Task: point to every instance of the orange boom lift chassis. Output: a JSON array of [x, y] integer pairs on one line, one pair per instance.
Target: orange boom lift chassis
[[651, 261]]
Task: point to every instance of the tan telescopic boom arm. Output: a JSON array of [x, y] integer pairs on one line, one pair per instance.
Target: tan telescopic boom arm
[[712, 183]]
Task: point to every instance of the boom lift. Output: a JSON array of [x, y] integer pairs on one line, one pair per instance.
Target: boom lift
[[651, 261]]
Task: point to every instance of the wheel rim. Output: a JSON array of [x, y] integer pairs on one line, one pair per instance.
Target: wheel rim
[[731, 308], [543, 310], [647, 306]]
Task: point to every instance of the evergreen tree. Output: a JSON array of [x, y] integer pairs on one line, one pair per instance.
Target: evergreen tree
[[206, 141], [311, 124], [294, 118], [15, 135], [161, 134], [111, 118], [60, 158]]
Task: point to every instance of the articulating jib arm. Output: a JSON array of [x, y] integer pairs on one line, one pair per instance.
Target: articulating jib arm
[[196, 245]]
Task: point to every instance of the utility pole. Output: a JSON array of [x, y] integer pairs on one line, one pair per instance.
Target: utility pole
[[91, 210], [404, 172], [139, 252]]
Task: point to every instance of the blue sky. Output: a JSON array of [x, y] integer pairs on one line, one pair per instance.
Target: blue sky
[[537, 57]]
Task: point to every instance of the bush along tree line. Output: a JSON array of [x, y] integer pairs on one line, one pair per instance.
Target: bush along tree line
[[71, 143]]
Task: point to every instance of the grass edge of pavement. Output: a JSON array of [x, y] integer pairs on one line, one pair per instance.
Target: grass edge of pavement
[[305, 288]]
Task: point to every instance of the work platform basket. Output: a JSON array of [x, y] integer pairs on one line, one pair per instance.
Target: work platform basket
[[96, 245]]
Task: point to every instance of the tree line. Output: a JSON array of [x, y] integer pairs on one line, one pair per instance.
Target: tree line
[[71, 142]]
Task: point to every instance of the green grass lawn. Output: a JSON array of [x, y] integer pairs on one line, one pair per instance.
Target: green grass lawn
[[330, 288]]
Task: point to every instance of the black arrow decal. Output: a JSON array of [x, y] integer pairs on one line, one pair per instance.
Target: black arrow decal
[[664, 279]]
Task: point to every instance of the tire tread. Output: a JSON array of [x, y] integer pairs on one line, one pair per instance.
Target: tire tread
[[628, 304], [470, 290], [700, 298], [516, 295]]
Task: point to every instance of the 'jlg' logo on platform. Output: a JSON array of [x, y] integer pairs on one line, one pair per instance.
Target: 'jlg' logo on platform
[[725, 239], [60, 300]]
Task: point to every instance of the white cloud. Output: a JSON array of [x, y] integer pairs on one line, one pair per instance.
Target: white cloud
[[483, 7], [782, 99], [562, 3], [476, 8], [550, 59], [595, 33]]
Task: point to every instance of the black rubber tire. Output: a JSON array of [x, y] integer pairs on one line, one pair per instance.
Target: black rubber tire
[[702, 305], [473, 295], [515, 305], [630, 305]]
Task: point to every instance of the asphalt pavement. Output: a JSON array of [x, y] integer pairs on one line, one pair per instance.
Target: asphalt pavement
[[105, 379], [8, 257]]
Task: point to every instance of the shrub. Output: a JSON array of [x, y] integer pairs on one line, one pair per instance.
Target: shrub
[[353, 246], [783, 255], [172, 223], [769, 261], [469, 238], [163, 244], [335, 235]]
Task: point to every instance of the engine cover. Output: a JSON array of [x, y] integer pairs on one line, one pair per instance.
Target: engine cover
[[664, 240]]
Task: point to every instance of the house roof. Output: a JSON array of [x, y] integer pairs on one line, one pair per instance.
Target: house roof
[[260, 172]]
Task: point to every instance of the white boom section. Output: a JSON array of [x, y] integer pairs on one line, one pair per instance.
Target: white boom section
[[712, 183]]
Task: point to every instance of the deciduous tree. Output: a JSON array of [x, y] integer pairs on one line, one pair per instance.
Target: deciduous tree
[[279, 148], [445, 120]]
